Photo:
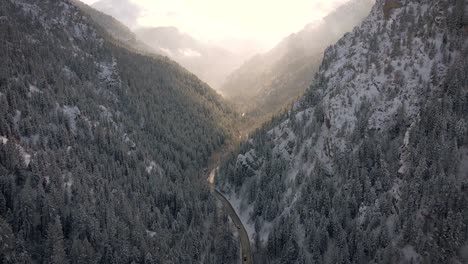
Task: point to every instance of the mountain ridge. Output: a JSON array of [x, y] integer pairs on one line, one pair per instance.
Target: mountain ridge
[[270, 82], [210, 63]]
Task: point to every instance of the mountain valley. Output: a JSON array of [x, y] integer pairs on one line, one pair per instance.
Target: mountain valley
[[345, 143], [269, 83]]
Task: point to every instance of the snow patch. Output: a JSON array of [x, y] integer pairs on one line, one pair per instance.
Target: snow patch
[[71, 112], [151, 233], [26, 156], [69, 74], [106, 70], [108, 73], [105, 113], [3, 140], [67, 181], [284, 139], [411, 255], [34, 89], [246, 159], [362, 214], [153, 166], [127, 140]]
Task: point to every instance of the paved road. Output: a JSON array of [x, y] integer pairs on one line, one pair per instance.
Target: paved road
[[244, 237]]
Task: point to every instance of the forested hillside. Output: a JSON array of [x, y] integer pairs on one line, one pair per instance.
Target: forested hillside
[[270, 82], [370, 166], [113, 27], [101, 148]]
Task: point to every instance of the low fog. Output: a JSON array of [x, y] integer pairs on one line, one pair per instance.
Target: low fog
[[268, 82], [215, 42]]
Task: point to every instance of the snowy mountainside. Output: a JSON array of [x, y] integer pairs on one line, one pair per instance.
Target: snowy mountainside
[[101, 147], [361, 166], [113, 27]]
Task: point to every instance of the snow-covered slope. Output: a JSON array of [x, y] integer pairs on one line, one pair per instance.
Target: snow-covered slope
[[113, 27], [367, 165]]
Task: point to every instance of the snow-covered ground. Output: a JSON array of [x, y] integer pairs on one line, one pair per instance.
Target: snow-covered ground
[[371, 77], [71, 112]]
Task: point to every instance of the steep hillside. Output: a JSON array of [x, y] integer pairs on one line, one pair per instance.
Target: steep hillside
[[269, 82], [370, 165], [113, 27], [101, 148], [212, 64]]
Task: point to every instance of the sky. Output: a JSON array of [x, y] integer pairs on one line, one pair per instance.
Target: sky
[[265, 21]]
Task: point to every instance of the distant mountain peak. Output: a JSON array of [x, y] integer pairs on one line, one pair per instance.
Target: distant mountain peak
[[211, 63], [268, 82]]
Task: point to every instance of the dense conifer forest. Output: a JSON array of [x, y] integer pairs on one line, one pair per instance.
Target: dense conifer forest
[[102, 148], [370, 166]]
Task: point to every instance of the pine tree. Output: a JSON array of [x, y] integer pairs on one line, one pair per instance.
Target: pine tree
[[7, 242], [56, 247]]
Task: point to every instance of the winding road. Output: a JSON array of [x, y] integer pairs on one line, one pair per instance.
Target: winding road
[[246, 257], [244, 237]]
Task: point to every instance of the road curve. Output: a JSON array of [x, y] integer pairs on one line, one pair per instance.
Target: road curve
[[244, 237]]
